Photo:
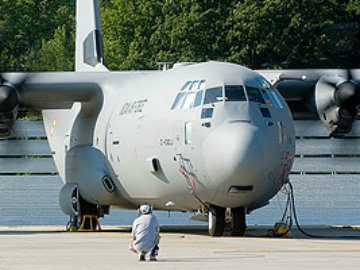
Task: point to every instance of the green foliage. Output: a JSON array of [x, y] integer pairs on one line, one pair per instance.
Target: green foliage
[[127, 29], [54, 55], [191, 31], [354, 6], [25, 27], [29, 115], [306, 33], [38, 35]]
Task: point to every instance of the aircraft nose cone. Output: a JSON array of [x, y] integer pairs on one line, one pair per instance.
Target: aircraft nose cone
[[238, 154]]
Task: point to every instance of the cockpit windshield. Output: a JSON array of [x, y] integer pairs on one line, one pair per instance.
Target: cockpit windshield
[[234, 93], [254, 94], [213, 95]]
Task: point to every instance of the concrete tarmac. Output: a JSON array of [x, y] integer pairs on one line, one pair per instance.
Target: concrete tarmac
[[180, 248]]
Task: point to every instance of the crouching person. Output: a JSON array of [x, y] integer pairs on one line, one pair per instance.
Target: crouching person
[[145, 234]]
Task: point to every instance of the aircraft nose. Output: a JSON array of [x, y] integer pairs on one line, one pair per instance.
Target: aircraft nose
[[239, 154]]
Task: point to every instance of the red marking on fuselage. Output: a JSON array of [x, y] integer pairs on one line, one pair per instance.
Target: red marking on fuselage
[[53, 125]]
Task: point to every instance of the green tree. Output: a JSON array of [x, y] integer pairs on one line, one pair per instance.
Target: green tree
[[56, 54], [305, 33], [127, 29], [24, 24], [39, 34], [191, 31]]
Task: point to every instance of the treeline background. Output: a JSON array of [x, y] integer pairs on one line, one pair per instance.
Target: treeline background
[[38, 35]]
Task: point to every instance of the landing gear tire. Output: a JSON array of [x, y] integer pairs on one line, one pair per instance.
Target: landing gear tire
[[216, 221], [238, 221]]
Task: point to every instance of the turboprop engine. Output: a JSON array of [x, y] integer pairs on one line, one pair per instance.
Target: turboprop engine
[[9, 102], [337, 102]]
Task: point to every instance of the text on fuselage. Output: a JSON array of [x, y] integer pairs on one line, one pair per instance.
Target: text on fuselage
[[133, 107]]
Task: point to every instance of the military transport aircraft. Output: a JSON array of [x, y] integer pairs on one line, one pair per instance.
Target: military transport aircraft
[[199, 137]]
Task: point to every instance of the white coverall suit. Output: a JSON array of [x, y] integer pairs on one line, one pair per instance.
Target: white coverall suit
[[145, 231]]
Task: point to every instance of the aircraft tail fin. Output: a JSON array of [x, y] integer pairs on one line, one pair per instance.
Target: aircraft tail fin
[[89, 55]]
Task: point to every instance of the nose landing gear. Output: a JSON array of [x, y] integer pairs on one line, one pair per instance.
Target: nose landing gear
[[238, 221], [217, 221]]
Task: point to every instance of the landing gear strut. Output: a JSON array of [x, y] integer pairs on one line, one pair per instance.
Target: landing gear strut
[[83, 215], [89, 216], [84, 218], [238, 221], [216, 221]]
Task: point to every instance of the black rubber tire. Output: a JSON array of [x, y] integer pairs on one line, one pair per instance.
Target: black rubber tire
[[238, 221], [216, 221]]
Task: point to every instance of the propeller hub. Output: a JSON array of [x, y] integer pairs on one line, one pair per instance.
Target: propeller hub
[[337, 100], [8, 98], [347, 94]]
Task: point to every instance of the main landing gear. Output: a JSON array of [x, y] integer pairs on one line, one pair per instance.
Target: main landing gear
[[83, 215], [217, 222], [88, 218]]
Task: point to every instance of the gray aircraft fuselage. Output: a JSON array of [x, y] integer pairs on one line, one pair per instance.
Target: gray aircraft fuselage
[[227, 150]]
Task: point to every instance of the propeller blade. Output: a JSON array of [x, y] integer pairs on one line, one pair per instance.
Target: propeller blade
[[2, 80], [329, 83], [8, 98], [324, 94]]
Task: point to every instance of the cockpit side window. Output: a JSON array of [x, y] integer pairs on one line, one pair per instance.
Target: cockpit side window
[[202, 84], [268, 97], [254, 94], [189, 101], [177, 102], [213, 95], [276, 99], [234, 93], [191, 95], [207, 113], [186, 86], [269, 93], [198, 98], [194, 85], [264, 84]]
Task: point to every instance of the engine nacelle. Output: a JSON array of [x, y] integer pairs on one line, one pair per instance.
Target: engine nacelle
[[9, 101], [336, 100], [86, 168]]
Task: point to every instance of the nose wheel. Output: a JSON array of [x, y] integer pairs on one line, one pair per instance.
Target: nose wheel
[[238, 221], [216, 221]]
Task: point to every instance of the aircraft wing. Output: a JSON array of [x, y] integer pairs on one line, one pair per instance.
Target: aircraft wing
[[331, 95], [55, 90]]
